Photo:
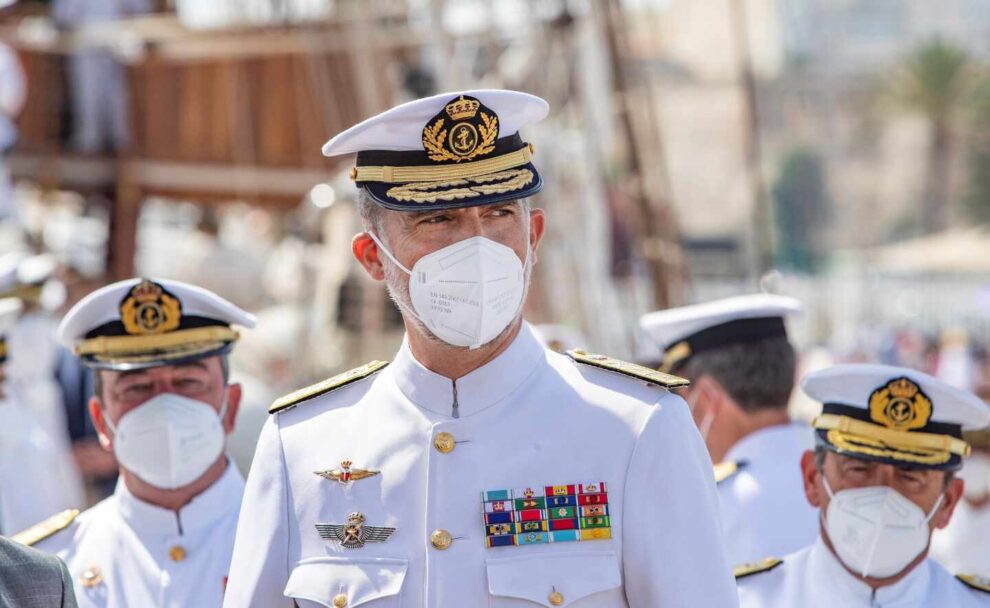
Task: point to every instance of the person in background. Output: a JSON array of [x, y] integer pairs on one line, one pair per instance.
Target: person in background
[[32, 579], [35, 476], [164, 406], [889, 442], [13, 92], [100, 111], [742, 370], [962, 545]]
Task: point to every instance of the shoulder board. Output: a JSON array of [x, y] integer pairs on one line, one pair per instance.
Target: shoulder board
[[628, 369], [330, 384], [975, 581], [764, 565], [40, 531], [725, 470]]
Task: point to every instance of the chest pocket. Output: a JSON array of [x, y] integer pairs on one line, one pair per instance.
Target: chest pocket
[[335, 581], [589, 578]]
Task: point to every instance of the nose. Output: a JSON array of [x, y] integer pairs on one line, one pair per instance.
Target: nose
[[885, 475], [470, 224]]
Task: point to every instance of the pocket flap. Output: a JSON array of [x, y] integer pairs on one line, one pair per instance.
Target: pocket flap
[[320, 579], [573, 576]]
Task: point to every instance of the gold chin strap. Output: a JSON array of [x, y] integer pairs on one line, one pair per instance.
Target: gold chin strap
[[436, 173], [116, 345], [892, 438]]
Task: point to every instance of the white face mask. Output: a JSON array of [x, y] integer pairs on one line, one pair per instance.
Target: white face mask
[[466, 293], [169, 440], [976, 474], [876, 531]]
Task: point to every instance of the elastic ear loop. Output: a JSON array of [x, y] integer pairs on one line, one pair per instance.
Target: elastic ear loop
[[388, 253]]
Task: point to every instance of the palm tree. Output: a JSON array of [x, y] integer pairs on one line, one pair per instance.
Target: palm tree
[[934, 82]]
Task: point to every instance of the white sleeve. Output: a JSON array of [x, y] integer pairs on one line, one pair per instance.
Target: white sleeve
[[673, 555], [13, 84], [259, 569]]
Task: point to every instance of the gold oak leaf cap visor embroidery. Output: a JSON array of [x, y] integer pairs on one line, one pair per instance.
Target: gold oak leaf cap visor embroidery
[[685, 331], [459, 149], [141, 323], [894, 415]]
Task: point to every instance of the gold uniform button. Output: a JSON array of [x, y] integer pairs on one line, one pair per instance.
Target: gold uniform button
[[177, 553], [91, 577], [339, 601], [556, 598], [444, 442], [441, 539]]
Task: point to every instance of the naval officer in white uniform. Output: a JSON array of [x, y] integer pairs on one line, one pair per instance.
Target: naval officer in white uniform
[[35, 476], [164, 406], [883, 477], [478, 468], [741, 365]]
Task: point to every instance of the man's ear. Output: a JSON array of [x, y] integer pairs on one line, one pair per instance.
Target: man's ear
[[97, 413], [953, 494], [811, 477], [537, 224], [367, 253], [234, 393]]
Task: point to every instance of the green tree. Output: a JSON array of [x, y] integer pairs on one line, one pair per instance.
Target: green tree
[[800, 200], [934, 82], [977, 196]]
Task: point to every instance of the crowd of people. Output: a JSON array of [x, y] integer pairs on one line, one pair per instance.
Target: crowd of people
[[479, 466]]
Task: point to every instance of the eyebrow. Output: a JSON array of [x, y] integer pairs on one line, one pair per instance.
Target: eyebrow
[[198, 364]]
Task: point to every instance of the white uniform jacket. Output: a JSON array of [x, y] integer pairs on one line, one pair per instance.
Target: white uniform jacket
[[124, 553], [764, 509], [815, 578], [527, 420]]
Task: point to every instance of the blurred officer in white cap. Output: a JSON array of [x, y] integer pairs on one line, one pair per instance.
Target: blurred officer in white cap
[[35, 476], [463, 472], [164, 406], [889, 441], [742, 370], [35, 351], [962, 545]]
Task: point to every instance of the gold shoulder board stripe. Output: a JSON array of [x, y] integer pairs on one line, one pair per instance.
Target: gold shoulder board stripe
[[727, 469], [330, 384], [764, 565], [628, 369], [40, 531], [975, 581]]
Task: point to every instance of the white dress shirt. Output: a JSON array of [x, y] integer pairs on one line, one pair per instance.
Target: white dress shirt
[[815, 578], [764, 509], [125, 553], [528, 418]]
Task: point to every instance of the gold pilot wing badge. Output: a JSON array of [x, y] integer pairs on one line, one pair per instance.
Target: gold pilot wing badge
[[354, 534], [346, 473]]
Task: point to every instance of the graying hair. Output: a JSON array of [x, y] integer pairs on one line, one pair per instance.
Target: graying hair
[[758, 375], [370, 212]]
